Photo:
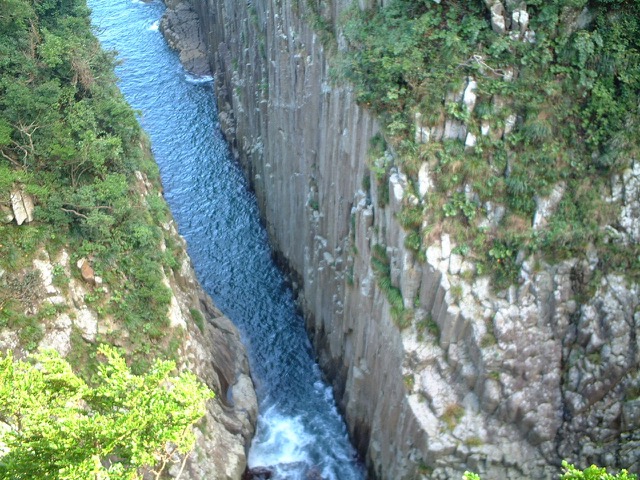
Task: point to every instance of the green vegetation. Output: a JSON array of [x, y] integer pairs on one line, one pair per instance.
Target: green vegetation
[[122, 427], [572, 473], [470, 476], [409, 382], [593, 473], [68, 139], [198, 318], [452, 415], [379, 164], [572, 96], [382, 268], [428, 325]]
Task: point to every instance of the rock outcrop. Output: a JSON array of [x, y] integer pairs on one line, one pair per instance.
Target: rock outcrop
[[181, 27], [504, 383], [20, 207]]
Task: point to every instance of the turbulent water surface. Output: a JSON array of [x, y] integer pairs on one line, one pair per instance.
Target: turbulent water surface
[[299, 429]]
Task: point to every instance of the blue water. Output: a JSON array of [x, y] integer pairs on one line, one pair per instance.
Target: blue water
[[299, 429]]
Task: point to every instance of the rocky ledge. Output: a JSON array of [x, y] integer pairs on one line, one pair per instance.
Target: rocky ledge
[[181, 27]]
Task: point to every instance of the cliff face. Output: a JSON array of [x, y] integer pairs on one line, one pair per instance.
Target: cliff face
[[68, 298], [216, 354], [507, 383]]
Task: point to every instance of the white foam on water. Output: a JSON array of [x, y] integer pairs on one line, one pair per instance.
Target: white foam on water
[[154, 26], [279, 442], [197, 79]]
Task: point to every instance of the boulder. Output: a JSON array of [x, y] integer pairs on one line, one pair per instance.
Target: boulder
[[6, 214], [257, 473], [22, 205], [498, 23], [181, 28], [88, 275]]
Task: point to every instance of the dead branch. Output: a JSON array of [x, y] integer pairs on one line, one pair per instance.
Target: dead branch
[[184, 462], [75, 209], [13, 161], [479, 60], [26, 131], [34, 39], [75, 212]]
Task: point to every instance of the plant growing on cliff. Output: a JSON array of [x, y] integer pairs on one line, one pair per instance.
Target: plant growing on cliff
[[572, 473], [382, 269], [571, 106], [57, 426], [593, 473]]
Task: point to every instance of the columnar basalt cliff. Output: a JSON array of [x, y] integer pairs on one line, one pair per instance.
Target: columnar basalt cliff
[[505, 383]]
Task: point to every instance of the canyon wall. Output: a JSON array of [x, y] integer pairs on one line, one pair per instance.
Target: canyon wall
[[503, 383]]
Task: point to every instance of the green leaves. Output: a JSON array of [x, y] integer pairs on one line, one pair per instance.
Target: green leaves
[[62, 428], [52, 50], [572, 473], [459, 203]]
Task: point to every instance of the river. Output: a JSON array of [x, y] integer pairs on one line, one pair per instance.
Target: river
[[299, 428]]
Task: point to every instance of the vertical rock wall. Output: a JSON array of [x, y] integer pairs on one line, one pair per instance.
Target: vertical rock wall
[[505, 384]]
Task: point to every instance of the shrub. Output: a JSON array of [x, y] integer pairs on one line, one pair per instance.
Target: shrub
[[122, 427]]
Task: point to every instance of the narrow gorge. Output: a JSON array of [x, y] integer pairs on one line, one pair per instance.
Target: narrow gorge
[[453, 192], [438, 368], [299, 433]]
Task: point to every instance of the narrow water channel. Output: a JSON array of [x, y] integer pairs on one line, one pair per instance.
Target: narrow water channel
[[299, 428]]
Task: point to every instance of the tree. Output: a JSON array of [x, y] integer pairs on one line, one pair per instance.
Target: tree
[[53, 425]]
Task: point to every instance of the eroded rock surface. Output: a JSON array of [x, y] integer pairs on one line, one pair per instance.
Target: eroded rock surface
[[20, 207], [181, 28]]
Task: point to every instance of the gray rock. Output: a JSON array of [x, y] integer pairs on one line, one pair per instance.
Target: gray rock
[[181, 27], [630, 211], [519, 21], [469, 96], [22, 205], [547, 205], [498, 22]]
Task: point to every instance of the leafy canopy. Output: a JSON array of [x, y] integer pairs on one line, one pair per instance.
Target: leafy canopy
[[56, 426], [572, 473]]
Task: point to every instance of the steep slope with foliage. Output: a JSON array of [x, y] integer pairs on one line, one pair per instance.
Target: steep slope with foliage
[[548, 99], [89, 253], [71, 142]]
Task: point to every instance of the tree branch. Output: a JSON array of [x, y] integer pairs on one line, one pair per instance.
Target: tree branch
[[75, 212], [12, 160], [75, 209], [184, 462]]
